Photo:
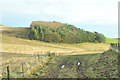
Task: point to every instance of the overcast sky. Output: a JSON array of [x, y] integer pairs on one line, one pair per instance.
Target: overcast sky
[[91, 15]]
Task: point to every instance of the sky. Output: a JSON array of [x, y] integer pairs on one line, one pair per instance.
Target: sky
[[90, 15]]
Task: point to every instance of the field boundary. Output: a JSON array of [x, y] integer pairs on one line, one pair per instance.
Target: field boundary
[[115, 46]]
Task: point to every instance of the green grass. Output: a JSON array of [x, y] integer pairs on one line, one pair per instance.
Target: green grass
[[50, 67], [92, 66], [110, 40]]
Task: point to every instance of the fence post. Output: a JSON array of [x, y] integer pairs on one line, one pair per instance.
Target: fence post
[[8, 73], [118, 46], [110, 45], [38, 57], [22, 70], [35, 56]]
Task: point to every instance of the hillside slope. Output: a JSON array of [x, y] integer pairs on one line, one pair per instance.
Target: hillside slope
[[104, 65], [18, 32], [16, 40]]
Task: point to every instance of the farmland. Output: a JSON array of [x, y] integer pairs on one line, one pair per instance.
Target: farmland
[[18, 51], [110, 40], [98, 65]]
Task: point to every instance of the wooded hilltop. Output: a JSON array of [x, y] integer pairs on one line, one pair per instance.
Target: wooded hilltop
[[56, 32]]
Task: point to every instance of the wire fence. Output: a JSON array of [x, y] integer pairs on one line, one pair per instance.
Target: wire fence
[[115, 46], [22, 69]]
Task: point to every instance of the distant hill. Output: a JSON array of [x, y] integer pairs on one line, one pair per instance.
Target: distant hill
[[62, 33], [2, 25]]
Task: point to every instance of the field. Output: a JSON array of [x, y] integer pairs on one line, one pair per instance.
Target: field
[[100, 65], [91, 66], [30, 58], [110, 40]]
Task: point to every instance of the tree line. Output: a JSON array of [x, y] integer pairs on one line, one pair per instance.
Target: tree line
[[64, 34]]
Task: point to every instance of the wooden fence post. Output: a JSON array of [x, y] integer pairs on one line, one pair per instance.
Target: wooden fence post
[[8, 73], [35, 56], [38, 57], [23, 70], [110, 45], [118, 46]]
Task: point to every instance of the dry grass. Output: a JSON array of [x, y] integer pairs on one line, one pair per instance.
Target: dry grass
[[50, 24], [16, 45], [15, 61], [89, 46]]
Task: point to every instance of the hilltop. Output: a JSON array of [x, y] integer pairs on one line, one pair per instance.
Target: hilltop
[[43, 23], [62, 33], [53, 24]]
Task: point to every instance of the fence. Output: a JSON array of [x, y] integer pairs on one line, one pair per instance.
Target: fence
[[115, 46], [25, 65]]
